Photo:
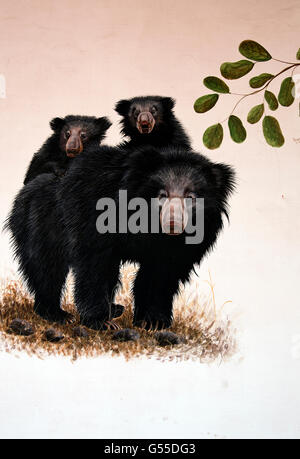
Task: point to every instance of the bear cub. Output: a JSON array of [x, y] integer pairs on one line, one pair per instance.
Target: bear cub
[[70, 138], [149, 120]]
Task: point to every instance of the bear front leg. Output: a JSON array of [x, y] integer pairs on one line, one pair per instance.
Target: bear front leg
[[153, 293], [94, 277]]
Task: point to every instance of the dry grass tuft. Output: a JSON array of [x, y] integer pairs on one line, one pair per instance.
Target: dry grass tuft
[[207, 336]]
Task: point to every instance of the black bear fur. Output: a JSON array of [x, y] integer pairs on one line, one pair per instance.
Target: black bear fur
[[52, 156], [167, 130]]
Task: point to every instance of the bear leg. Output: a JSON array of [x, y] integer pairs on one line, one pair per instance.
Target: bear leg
[[95, 280], [153, 293], [47, 289]]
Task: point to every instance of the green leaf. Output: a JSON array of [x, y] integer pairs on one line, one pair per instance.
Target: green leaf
[[285, 95], [272, 131], [237, 131], [255, 114], [298, 54], [215, 84], [234, 70], [205, 103], [253, 50], [213, 136], [271, 100], [260, 80]]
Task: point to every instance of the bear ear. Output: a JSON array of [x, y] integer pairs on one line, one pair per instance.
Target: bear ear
[[103, 123], [57, 124], [168, 103], [225, 178], [122, 107]]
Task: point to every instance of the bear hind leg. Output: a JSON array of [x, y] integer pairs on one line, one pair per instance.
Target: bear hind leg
[[47, 286]]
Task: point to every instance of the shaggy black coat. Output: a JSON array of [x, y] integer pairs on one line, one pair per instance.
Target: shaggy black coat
[[52, 157], [167, 130], [53, 225]]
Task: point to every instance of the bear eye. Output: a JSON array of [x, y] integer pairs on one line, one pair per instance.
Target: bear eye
[[68, 134], [135, 113], [153, 109], [83, 135], [163, 194]]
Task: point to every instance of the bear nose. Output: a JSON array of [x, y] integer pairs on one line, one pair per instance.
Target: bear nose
[[72, 149], [74, 146], [145, 123], [144, 118]]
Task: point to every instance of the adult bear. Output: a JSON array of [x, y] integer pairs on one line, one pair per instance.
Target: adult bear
[[54, 228], [150, 120]]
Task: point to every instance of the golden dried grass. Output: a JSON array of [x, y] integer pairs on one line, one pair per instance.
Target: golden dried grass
[[207, 336]]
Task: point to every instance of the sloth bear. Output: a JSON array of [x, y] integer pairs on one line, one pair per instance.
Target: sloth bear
[[150, 120], [71, 136], [55, 227]]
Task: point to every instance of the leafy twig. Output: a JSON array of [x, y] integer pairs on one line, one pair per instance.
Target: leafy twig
[[253, 51], [261, 89]]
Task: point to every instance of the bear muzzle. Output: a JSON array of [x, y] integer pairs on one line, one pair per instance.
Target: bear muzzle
[[173, 217], [74, 146], [145, 122]]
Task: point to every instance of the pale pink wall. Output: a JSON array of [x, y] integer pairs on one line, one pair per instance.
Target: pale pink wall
[[81, 56]]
